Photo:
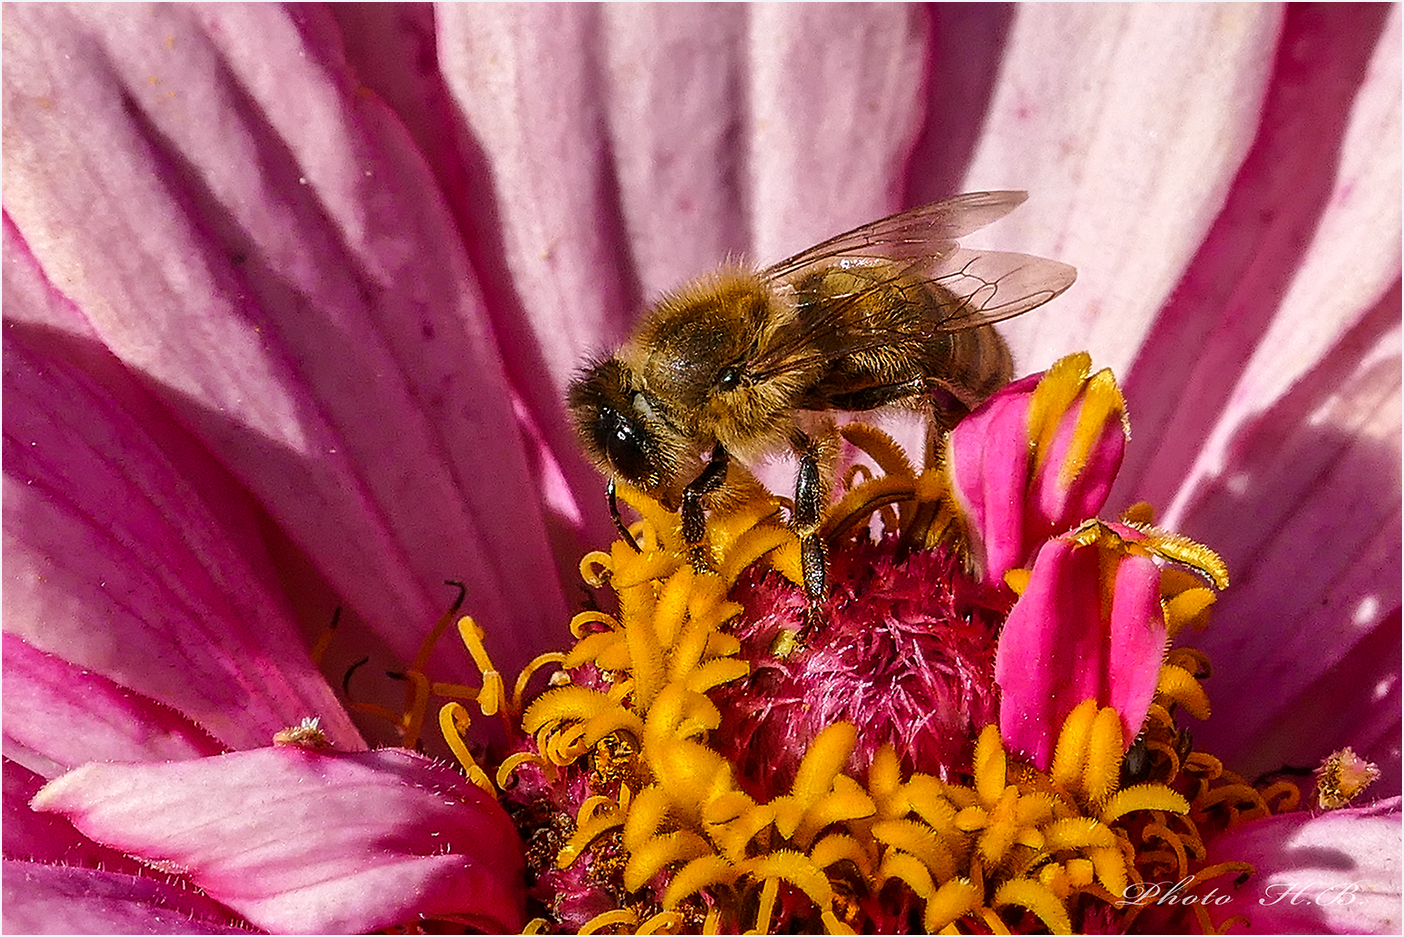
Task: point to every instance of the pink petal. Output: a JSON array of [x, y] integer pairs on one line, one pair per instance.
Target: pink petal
[[305, 305], [58, 716], [130, 553], [1056, 649], [1137, 643], [1355, 703], [297, 841], [1127, 125], [1336, 872], [45, 899]]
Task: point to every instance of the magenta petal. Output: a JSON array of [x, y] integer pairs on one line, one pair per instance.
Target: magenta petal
[[1056, 505], [989, 460], [297, 841], [1034, 461], [1039, 665], [1335, 872], [1057, 649], [47, 899], [58, 716], [1138, 640], [45, 837]]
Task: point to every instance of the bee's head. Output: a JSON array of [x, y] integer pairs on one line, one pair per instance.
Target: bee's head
[[620, 427]]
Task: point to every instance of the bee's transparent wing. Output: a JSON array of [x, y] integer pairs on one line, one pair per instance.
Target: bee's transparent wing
[[958, 288], [987, 286], [928, 231]]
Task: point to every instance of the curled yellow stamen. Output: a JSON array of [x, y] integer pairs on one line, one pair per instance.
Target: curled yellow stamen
[[453, 722], [622, 917]]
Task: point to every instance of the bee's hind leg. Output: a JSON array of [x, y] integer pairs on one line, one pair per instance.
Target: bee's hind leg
[[694, 519]]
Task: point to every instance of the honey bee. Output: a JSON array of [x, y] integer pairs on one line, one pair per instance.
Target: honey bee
[[741, 363]]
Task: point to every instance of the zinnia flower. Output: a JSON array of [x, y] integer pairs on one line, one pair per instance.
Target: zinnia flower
[[937, 750], [292, 296]]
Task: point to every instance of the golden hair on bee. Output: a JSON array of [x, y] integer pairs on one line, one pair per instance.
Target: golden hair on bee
[[689, 357]]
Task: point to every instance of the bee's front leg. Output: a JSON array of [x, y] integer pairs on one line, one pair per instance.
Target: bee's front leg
[[619, 524], [694, 519]]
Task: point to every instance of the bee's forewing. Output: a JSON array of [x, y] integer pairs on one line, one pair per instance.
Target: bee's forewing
[[923, 232], [987, 286]]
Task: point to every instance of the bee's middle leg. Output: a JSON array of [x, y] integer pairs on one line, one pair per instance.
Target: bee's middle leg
[[694, 519], [811, 493]]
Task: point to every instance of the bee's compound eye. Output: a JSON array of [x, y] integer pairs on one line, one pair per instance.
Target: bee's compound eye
[[626, 446], [729, 378]]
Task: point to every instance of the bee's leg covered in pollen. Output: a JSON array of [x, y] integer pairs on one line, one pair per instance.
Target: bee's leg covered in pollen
[[694, 520]]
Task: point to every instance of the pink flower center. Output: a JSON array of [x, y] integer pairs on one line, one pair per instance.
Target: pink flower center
[[905, 653]]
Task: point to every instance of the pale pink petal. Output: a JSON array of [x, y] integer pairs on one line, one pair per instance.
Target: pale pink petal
[[1314, 210], [1306, 513], [551, 203], [297, 841], [964, 65], [596, 212], [836, 100], [131, 553], [1335, 872], [58, 716], [1286, 420], [1294, 477], [676, 102], [1127, 125], [46, 899], [292, 285], [566, 139]]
